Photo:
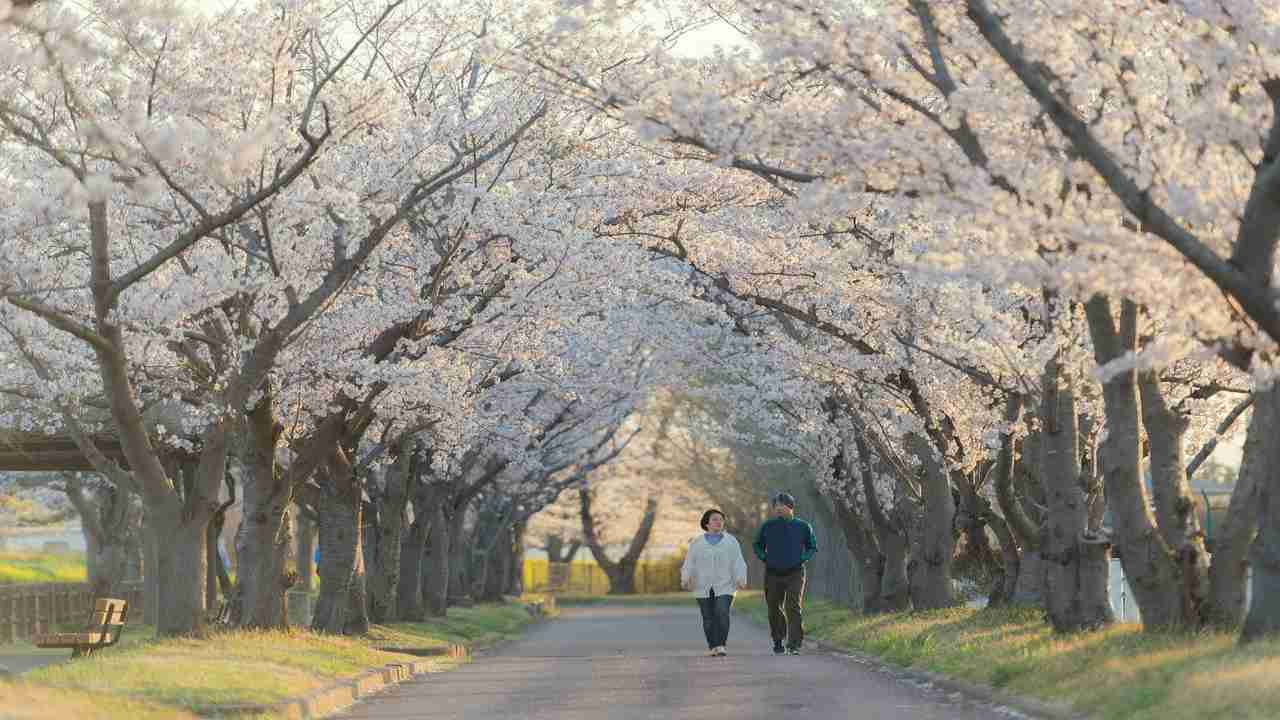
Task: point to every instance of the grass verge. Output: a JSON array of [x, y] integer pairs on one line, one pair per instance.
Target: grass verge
[[20, 567], [1116, 673], [181, 678]]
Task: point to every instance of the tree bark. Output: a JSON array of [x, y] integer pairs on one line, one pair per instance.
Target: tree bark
[[1175, 507], [263, 539], [1229, 566], [436, 578], [1148, 562], [621, 573], [414, 549], [1263, 619], [383, 553], [1075, 589], [340, 547], [932, 543], [889, 531], [515, 575], [305, 535], [105, 522]]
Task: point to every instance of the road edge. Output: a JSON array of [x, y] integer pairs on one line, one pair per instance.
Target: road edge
[[345, 693]]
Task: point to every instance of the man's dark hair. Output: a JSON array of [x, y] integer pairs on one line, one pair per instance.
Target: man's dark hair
[[706, 516]]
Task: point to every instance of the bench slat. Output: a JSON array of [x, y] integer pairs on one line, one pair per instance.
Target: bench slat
[[71, 640], [105, 604]]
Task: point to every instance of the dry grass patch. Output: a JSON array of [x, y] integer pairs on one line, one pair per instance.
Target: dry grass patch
[[1117, 673], [24, 701]]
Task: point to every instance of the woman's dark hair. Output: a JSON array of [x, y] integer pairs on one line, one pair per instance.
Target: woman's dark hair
[[706, 516]]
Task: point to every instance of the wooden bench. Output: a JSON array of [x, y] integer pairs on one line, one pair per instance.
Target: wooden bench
[[105, 627]]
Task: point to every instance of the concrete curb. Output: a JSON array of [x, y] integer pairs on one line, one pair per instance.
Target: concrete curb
[[339, 695], [980, 691], [345, 693]]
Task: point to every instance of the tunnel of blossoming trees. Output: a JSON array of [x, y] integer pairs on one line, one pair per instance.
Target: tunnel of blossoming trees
[[425, 285]]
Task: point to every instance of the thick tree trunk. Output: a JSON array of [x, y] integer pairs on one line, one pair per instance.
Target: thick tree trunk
[[180, 571], [498, 567], [1148, 562], [1234, 534], [515, 572], [864, 550], [384, 551], [435, 578], [932, 543], [889, 531], [150, 566], [105, 521], [1175, 507], [340, 549], [414, 550], [1075, 589], [1263, 619], [458, 550], [305, 534], [263, 539]]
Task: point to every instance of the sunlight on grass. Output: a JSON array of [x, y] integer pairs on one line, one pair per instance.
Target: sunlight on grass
[[19, 567], [1119, 672], [184, 675]]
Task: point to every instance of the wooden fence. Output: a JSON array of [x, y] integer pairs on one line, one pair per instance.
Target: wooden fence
[[30, 609], [586, 578]]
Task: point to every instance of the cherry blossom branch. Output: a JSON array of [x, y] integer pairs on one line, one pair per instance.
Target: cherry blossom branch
[[1257, 299], [1212, 443]]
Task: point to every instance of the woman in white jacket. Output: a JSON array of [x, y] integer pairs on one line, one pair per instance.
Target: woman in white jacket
[[713, 569]]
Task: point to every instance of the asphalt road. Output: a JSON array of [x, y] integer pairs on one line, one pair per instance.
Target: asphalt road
[[634, 663]]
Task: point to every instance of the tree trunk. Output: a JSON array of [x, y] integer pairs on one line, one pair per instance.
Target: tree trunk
[[1175, 507], [889, 531], [515, 574], [180, 572], [435, 579], [458, 587], [621, 573], [105, 517], [1148, 562], [1075, 596], [932, 543], [263, 539], [384, 551], [1263, 619], [413, 552], [305, 535], [1229, 566], [150, 566], [498, 567], [340, 548]]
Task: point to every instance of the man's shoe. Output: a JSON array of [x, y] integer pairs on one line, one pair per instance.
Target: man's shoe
[[720, 651], [793, 651], [778, 649]]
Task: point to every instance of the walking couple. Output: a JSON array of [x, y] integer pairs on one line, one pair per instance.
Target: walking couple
[[714, 570]]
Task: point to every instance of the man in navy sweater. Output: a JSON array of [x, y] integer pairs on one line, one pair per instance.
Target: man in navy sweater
[[785, 543]]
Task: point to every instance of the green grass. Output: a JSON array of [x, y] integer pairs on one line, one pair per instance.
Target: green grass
[[1117, 673], [17, 567], [181, 676], [475, 626]]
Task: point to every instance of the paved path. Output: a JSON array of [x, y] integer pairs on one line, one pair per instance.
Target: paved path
[[633, 663]]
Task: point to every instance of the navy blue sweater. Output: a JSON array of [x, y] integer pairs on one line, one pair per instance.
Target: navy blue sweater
[[785, 544]]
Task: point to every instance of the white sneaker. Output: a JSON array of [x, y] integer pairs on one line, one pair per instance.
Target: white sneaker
[[720, 651]]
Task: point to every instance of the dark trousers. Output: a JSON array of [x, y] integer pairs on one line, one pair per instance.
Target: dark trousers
[[715, 618], [785, 591]]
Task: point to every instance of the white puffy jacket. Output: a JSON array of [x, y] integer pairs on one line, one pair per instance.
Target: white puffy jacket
[[718, 567]]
